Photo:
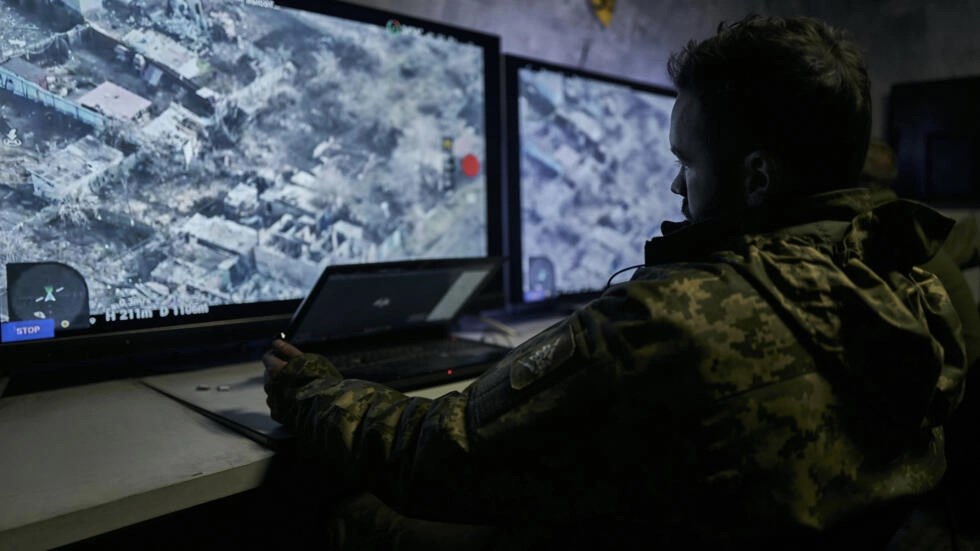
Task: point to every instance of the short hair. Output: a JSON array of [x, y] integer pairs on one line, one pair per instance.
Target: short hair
[[794, 86]]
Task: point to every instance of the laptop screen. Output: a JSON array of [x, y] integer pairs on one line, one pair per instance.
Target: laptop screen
[[346, 304]]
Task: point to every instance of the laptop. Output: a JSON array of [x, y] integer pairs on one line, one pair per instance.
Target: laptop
[[390, 322], [233, 395]]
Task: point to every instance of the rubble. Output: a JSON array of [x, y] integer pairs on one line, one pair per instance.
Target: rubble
[[596, 170], [223, 152]]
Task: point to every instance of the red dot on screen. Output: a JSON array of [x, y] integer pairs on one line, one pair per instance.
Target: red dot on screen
[[471, 165], [449, 372]]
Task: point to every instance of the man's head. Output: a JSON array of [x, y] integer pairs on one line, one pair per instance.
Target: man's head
[[768, 109]]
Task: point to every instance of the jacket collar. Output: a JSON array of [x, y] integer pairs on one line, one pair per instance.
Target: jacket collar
[[917, 224]]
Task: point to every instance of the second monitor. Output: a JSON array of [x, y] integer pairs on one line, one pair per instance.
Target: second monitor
[[590, 167]]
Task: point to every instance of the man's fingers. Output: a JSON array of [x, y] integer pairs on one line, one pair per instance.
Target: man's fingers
[[272, 361], [280, 354], [286, 349]]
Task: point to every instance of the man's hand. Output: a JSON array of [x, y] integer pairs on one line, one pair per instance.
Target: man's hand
[[277, 358], [282, 385]]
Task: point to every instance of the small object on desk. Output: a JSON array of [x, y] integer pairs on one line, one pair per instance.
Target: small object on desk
[[204, 387], [499, 327], [224, 387]]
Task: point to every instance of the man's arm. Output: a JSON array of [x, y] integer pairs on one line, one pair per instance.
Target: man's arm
[[490, 451], [546, 436]]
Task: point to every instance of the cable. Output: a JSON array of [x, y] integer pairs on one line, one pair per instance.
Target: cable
[[609, 282]]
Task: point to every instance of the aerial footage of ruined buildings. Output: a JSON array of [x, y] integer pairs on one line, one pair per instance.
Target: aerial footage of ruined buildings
[[596, 170], [181, 151]]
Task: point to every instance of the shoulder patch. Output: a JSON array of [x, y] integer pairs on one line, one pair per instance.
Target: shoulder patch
[[499, 390], [540, 355]]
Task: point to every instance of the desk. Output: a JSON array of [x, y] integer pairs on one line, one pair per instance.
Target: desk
[[82, 461], [86, 460]]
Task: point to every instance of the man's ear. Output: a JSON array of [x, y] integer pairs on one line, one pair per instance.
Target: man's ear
[[761, 175]]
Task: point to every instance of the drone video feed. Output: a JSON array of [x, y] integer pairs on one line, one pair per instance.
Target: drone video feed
[[163, 157], [596, 170]]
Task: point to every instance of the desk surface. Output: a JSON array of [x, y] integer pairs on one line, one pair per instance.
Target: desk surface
[[82, 461], [78, 462], [235, 394]]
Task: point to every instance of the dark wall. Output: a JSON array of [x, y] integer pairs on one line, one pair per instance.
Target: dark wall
[[903, 40]]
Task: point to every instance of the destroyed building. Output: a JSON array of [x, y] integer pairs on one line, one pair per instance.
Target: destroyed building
[[221, 234], [116, 102], [84, 7], [26, 80], [190, 9], [295, 200], [164, 51], [174, 128], [27, 71], [242, 201], [74, 169], [206, 269], [290, 248]]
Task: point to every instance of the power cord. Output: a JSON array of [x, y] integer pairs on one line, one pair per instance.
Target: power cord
[[616, 273]]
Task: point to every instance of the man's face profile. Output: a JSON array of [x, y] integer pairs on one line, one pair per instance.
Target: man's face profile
[[698, 180]]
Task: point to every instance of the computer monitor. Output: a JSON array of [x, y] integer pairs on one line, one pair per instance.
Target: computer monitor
[[589, 171], [934, 128], [181, 171]]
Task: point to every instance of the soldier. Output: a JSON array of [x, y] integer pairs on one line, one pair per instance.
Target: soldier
[[776, 375]]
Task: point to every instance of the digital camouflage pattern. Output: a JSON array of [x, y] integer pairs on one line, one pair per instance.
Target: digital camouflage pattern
[[959, 251], [737, 390]]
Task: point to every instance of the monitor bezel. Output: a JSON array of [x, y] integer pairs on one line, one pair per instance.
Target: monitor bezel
[[246, 323], [515, 268]]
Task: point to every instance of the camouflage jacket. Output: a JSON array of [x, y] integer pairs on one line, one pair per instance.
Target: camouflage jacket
[[738, 388], [959, 251]]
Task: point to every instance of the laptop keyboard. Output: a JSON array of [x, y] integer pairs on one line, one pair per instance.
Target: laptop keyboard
[[416, 353]]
